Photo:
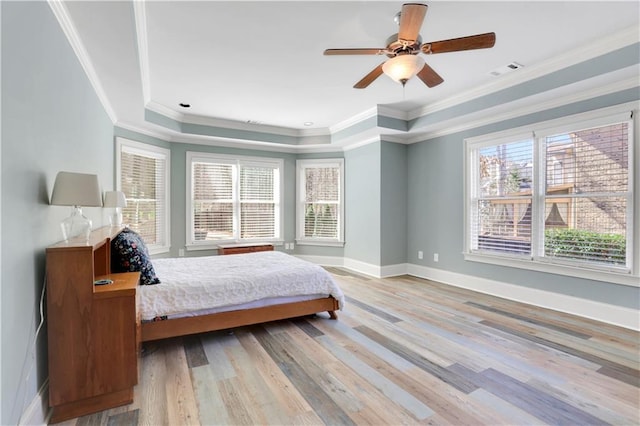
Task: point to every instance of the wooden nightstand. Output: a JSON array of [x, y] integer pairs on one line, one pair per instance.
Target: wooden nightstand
[[244, 248], [93, 330]]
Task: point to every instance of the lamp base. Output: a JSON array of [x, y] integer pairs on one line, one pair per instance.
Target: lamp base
[[115, 219], [76, 225]]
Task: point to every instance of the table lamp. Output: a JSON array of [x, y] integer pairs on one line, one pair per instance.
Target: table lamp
[[76, 190], [116, 200]]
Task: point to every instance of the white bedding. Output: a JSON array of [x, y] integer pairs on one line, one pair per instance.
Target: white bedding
[[209, 284]]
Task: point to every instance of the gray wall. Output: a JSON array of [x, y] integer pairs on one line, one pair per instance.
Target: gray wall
[[51, 121], [362, 203], [179, 184], [393, 204], [435, 211]]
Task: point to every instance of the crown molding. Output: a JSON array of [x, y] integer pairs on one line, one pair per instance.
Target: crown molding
[[143, 130], [387, 111], [364, 115], [463, 123], [64, 20], [262, 128], [615, 41], [140, 16]]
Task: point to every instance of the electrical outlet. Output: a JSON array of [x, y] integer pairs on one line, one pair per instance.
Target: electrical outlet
[[435, 257], [420, 254], [181, 252]]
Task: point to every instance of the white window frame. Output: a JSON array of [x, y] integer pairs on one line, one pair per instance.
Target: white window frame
[[537, 261], [301, 166], [238, 161], [159, 153]]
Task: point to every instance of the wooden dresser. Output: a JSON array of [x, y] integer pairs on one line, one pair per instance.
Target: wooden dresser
[[244, 248], [93, 331]]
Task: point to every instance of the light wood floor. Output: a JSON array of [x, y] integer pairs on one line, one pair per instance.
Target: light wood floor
[[403, 351]]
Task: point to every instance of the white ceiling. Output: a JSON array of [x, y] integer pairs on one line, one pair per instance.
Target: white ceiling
[[263, 61]]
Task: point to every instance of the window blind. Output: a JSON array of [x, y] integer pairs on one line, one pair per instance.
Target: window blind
[[587, 194], [258, 201], [212, 201], [322, 202], [234, 198], [502, 208], [142, 179]]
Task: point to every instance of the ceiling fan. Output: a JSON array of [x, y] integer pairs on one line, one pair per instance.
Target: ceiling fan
[[403, 49]]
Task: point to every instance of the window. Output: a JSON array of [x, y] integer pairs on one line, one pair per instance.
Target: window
[[142, 174], [232, 199], [556, 197], [320, 210]]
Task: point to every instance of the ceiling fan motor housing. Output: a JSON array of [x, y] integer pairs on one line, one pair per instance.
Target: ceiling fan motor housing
[[396, 47]]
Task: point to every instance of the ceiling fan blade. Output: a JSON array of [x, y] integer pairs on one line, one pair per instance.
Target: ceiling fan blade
[[411, 18], [429, 76], [356, 51], [369, 78], [479, 41]]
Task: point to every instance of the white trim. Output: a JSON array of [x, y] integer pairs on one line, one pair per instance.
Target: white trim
[[604, 312], [592, 50], [584, 272], [142, 130], [627, 275], [387, 111], [38, 411], [322, 260], [466, 122], [363, 267], [66, 23], [140, 17], [363, 142], [158, 153], [393, 270], [301, 166], [236, 161], [371, 112]]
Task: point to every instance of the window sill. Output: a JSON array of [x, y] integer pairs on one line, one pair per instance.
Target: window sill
[[608, 277], [158, 250], [214, 245], [325, 243]]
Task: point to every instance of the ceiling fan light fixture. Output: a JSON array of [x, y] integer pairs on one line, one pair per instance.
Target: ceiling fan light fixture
[[402, 67]]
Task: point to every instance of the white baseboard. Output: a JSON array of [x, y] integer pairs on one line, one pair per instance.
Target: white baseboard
[[610, 314], [394, 270], [323, 260], [38, 412]]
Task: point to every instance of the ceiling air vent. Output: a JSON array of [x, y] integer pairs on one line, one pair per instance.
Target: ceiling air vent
[[506, 68]]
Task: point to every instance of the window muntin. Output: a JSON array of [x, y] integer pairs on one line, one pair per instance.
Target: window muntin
[[142, 174], [233, 199], [579, 199], [320, 202]]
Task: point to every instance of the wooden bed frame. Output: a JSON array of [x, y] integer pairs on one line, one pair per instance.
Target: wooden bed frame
[[155, 330], [95, 331]]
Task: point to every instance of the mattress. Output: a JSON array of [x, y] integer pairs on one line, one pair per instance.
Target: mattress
[[198, 285]]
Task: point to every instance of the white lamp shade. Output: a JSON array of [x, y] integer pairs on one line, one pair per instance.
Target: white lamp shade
[[115, 199], [401, 68], [76, 189]]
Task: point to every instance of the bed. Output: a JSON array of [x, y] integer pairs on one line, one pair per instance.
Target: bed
[[199, 294]]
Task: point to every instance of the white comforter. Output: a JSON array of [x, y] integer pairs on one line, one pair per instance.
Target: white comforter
[[191, 284]]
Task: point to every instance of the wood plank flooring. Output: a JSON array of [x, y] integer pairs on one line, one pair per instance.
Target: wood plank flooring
[[403, 351]]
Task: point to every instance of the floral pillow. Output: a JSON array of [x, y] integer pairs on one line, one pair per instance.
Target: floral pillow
[[130, 254]]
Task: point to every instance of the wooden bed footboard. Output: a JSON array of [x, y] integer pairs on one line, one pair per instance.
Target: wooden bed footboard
[[220, 321]]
